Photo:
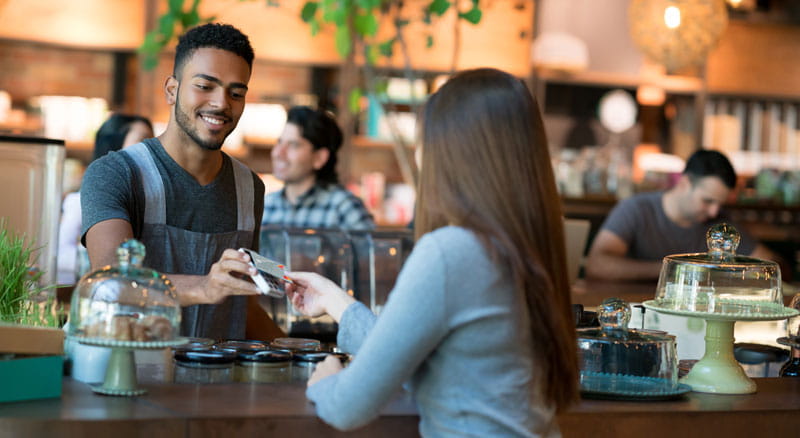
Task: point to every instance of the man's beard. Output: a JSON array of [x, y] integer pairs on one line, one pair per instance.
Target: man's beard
[[185, 123]]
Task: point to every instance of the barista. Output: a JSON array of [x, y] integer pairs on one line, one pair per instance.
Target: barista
[[640, 231], [190, 204]]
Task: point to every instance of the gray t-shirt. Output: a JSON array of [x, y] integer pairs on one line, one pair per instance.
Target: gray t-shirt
[[640, 221], [111, 190], [453, 327]]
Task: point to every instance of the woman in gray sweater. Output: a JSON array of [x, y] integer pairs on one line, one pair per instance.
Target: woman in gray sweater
[[479, 320]]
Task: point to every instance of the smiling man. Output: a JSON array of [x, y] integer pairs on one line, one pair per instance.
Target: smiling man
[[641, 230], [190, 204], [305, 160]]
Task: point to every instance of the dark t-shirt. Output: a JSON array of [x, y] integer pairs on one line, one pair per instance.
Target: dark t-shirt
[[111, 190], [640, 221]]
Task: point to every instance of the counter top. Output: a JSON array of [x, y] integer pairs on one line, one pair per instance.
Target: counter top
[[282, 410]]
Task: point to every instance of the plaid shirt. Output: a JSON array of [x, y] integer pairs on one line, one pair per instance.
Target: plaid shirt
[[320, 207]]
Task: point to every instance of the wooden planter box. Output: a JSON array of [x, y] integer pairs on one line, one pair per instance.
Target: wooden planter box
[[23, 339], [35, 368]]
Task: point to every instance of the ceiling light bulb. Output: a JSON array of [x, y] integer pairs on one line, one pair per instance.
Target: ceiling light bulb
[[672, 17]]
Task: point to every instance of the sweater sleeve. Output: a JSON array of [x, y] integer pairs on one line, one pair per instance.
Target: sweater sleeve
[[356, 323], [410, 327]]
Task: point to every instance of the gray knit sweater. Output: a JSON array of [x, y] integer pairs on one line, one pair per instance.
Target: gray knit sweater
[[456, 331]]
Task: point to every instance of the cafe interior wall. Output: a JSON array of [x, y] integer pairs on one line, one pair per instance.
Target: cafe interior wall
[[755, 60], [79, 57], [69, 48]]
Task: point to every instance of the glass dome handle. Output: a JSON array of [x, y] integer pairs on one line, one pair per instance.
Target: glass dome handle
[[722, 240], [131, 253], [614, 313]]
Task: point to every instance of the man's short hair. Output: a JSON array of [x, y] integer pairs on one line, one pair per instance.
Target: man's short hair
[[706, 162], [319, 127], [212, 35]]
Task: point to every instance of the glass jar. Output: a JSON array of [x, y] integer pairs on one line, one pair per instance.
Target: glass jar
[[265, 366], [296, 344], [305, 362], [204, 366]]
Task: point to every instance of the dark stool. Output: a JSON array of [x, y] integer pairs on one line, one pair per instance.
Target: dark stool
[[759, 354]]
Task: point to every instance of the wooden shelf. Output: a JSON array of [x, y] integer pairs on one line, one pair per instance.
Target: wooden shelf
[[670, 83]]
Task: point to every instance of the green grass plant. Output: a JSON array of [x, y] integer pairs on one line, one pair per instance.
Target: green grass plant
[[22, 299]]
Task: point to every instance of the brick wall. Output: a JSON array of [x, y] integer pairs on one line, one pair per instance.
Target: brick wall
[[31, 69]]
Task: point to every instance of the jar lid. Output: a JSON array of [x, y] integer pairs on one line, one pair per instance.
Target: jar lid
[[195, 344], [614, 315], [265, 356], [242, 346], [296, 344], [205, 356], [310, 356]]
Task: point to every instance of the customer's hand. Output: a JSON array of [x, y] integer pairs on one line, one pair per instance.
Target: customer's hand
[[328, 367], [314, 295]]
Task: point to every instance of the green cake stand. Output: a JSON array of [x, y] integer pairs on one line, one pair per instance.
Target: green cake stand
[[718, 371]]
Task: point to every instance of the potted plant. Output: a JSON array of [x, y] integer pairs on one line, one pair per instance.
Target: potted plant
[[31, 342]]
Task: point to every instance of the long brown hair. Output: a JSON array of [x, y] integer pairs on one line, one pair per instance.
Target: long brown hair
[[486, 167]]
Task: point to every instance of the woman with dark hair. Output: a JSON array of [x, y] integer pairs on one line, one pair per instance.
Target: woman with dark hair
[[479, 321], [121, 130], [117, 132], [305, 160]]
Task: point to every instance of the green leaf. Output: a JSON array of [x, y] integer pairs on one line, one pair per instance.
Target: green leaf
[[343, 43], [166, 25], [371, 53], [190, 19], [439, 7], [366, 25], [381, 86], [175, 6], [314, 27], [354, 100], [429, 41], [308, 12], [339, 16], [473, 15], [368, 4], [387, 48]]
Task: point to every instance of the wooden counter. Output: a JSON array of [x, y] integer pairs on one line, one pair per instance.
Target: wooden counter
[[281, 410]]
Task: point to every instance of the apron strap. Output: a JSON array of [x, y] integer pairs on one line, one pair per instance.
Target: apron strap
[[244, 196], [155, 209]]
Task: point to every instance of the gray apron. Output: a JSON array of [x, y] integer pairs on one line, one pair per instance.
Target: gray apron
[[172, 250]]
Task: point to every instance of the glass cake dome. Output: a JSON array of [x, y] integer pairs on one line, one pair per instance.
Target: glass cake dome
[[126, 302], [719, 281]]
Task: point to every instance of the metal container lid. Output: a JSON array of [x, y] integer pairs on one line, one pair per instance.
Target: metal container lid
[[310, 356], [205, 356], [271, 356]]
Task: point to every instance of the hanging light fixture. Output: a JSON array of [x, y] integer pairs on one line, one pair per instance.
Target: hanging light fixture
[[677, 33]]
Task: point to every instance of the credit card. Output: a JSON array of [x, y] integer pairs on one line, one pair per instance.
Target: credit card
[[271, 277]]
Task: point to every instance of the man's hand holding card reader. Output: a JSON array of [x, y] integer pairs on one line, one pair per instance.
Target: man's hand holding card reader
[[271, 276]]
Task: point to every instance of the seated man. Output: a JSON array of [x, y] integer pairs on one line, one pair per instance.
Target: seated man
[[641, 230], [305, 160]]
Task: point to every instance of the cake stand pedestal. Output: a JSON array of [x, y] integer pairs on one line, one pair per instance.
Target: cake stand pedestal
[[120, 378], [718, 371]]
